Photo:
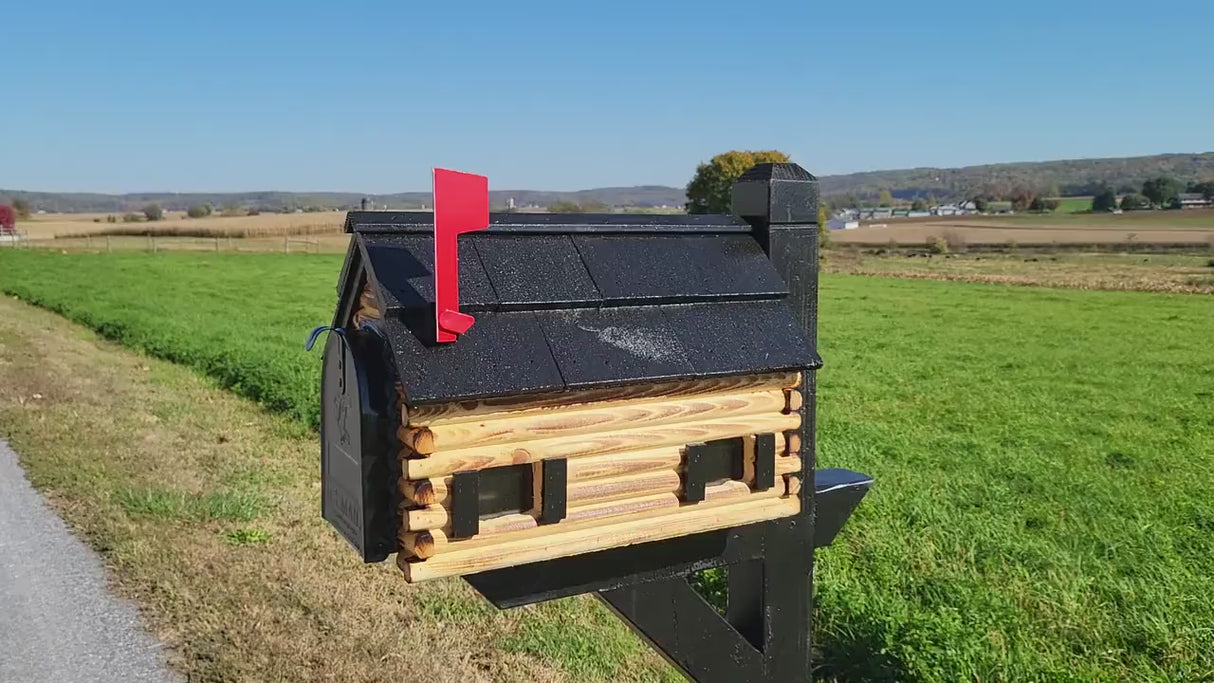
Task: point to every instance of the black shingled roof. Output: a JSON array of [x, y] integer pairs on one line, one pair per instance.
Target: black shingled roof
[[576, 301]]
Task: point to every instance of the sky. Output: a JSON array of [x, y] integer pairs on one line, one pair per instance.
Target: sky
[[369, 96]]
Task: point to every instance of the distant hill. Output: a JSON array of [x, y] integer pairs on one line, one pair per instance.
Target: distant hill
[[1070, 178], [81, 202], [1074, 177]]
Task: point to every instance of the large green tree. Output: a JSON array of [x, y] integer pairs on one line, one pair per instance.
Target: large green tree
[[1105, 200], [710, 187], [1134, 202], [1162, 190], [1205, 189]]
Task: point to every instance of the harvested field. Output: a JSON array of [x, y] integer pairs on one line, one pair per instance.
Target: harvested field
[[1178, 273], [177, 224], [1143, 227]]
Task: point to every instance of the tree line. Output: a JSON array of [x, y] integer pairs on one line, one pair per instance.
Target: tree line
[[1161, 193]]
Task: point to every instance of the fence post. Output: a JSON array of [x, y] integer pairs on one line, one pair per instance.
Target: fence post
[[152, 238], [286, 248], [107, 244], [216, 245], [88, 240]]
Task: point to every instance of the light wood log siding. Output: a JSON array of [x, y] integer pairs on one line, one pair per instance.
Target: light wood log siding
[[625, 452]]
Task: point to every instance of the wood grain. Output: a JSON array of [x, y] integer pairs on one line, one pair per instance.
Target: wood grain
[[593, 514], [792, 485], [628, 486], [794, 400], [438, 517], [619, 464], [578, 538], [442, 463], [435, 491], [427, 543], [594, 418], [516, 406]]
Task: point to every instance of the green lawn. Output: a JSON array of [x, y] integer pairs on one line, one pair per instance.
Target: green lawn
[[1044, 458], [1074, 204]]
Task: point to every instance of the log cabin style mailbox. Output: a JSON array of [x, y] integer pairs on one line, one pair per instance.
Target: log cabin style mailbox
[[559, 404]]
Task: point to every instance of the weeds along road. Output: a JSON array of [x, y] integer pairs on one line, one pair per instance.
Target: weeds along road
[[58, 621]]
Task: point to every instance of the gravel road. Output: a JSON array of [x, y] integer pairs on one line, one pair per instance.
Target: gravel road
[[58, 620]]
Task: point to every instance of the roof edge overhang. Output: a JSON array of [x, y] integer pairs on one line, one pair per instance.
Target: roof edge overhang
[[414, 222]]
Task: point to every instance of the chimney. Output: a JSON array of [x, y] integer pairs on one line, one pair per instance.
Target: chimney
[[780, 202]]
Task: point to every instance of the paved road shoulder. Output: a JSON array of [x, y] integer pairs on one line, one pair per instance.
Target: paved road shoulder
[[58, 620]]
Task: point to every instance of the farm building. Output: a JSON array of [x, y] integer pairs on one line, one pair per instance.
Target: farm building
[[842, 224], [1194, 200]]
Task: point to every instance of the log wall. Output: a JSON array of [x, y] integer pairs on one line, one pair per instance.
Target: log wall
[[625, 457]]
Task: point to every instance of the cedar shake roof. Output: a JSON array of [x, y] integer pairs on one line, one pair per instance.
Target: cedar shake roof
[[575, 302]]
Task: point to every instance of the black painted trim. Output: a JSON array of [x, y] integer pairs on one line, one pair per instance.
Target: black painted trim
[[765, 462], [554, 491], [465, 504]]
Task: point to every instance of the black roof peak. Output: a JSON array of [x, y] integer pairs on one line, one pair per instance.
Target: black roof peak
[[775, 171]]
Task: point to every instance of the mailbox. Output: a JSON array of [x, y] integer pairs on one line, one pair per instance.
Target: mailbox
[[550, 404]]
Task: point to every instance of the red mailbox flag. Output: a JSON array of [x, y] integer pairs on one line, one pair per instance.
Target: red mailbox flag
[[461, 204]]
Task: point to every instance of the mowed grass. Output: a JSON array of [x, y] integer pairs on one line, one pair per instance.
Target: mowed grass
[[1074, 204], [1043, 458], [241, 319]]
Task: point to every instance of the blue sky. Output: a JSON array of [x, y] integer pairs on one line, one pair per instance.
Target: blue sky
[[368, 96]]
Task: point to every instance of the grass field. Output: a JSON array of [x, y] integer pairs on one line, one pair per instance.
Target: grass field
[[1043, 458], [1074, 204]]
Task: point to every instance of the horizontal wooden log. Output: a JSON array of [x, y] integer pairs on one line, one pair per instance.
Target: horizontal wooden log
[[663, 464], [443, 463], [420, 440], [516, 406], [426, 491], [590, 419], [621, 464], [428, 542], [615, 508], [629, 486], [792, 485], [429, 517], [787, 464], [794, 400], [596, 512], [561, 540], [435, 491], [439, 517]]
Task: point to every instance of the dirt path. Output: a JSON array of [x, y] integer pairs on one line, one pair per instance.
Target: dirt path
[[58, 620]]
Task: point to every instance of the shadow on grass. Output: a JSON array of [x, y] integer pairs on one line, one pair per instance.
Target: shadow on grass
[[856, 656]]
